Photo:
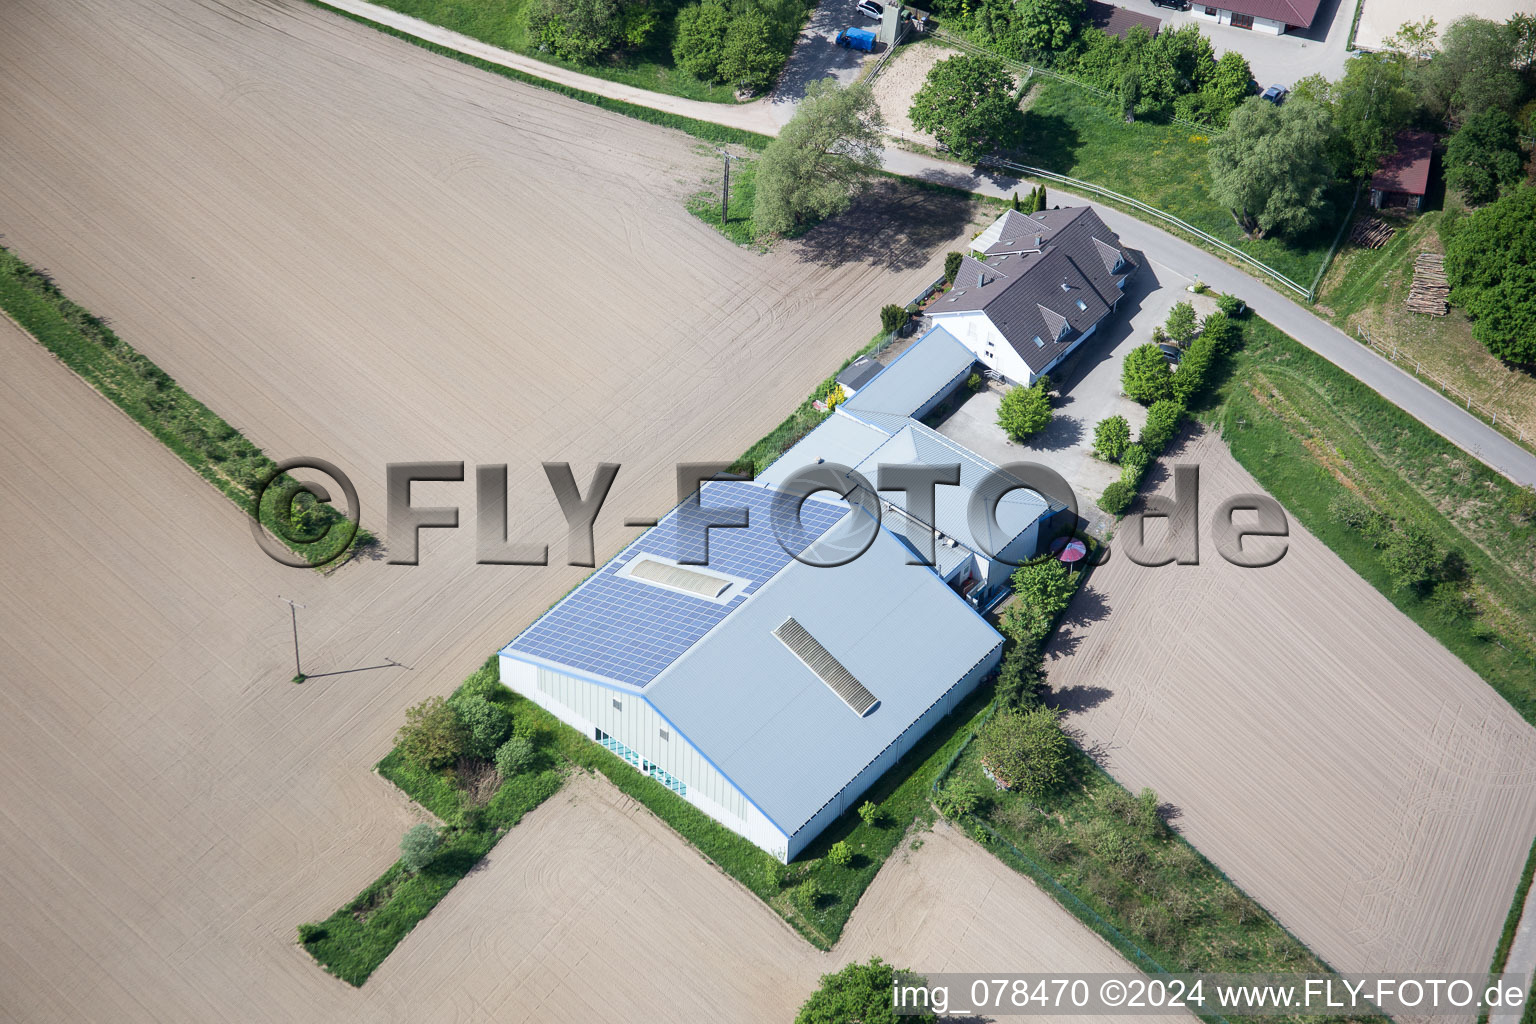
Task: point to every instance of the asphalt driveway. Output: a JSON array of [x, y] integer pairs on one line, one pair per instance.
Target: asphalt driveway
[[1281, 60]]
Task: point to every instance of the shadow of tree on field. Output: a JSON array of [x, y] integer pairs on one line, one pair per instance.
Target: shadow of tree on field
[[892, 224], [1072, 699]]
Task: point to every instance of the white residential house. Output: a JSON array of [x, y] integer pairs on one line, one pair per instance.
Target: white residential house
[[1034, 288]]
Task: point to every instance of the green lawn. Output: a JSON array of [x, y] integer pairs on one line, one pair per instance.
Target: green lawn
[[1069, 130], [1301, 426], [503, 23]]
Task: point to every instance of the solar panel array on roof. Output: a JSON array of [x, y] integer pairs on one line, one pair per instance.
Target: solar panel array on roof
[[629, 630], [822, 662]]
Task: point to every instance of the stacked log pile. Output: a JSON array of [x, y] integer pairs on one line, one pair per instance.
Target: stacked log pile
[[1371, 232], [1430, 286]]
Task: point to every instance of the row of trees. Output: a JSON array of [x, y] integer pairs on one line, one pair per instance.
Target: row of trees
[[438, 733]]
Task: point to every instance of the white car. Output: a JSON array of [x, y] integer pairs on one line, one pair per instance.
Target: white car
[[870, 9]]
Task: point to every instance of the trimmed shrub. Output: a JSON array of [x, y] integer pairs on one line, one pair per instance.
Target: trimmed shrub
[[893, 317], [514, 757], [1144, 375], [1134, 463], [1181, 322], [840, 854], [1162, 423], [952, 266], [486, 724], [418, 846], [1117, 497], [1111, 438], [1024, 412], [1232, 306]]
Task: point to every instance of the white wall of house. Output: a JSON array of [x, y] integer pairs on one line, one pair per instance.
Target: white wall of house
[[975, 331], [1208, 12], [587, 706]]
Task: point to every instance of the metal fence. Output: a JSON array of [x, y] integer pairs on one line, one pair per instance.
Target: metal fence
[[1448, 389], [1137, 204]]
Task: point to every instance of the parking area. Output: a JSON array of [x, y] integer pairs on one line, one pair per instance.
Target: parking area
[[816, 56], [1282, 60], [1088, 390]]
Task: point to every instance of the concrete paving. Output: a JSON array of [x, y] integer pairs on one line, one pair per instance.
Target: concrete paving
[[817, 56], [1275, 60]]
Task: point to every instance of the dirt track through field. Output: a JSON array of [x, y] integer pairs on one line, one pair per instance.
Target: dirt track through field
[[1327, 754], [351, 249]]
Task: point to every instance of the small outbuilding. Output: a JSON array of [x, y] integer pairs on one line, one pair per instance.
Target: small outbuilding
[[1402, 178]]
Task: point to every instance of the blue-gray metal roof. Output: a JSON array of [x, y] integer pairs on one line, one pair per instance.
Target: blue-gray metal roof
[[840, 439], [912, 380], [629, 630], [771, 725]]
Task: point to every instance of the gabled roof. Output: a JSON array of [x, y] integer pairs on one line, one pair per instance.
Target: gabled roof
[[1117, 21], [1029, 295], [859, 372], [1297, 13], [1406, 170]]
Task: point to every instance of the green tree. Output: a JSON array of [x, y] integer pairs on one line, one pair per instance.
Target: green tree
[[1371, 103], [750, 60], [858, 994], [1181, 322], [1117, 497], [1230, 82], [1040, 199], [1043, 27], [1522, 33], [1042, 590], [514, 757], [952, 261], [869, 813], [1144, 374], [1026, 749], [1270, 167], [1474, 70], [1219, 328], [698, 42], [1412, 557], [1163, 420], [1491, 264], [1416, 40], [433, 735], [1190, 378], [1230, 305], [1016, 207], [583, 30], [1129, 93], [840, 853], [893, 317], [418, 846], [487, 725], [1111, 437], [967, 104], [826, 151], [1025, 411], [1483, 156]]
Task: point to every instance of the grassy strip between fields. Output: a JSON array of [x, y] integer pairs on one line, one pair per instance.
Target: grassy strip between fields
[[705, 130], [152, 399], [740, 225], [1512, 923], [1313, 435]]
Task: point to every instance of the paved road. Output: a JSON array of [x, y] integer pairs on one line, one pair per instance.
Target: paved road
[[1521, 961], [1427, 405]]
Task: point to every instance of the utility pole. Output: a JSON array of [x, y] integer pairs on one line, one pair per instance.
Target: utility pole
[[725, 188], [293, 614]]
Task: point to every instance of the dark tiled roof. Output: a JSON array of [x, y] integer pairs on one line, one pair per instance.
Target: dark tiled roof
[[1022, 293], [859, 372], [1117, 21], [1407, 170]]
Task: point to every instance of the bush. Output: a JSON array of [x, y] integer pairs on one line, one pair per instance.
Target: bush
[[893, 318], [967, 104], [1025, 411], [1108, 843], [1162, 423], [1134, 463], [433, 735], [960, 797], [1483, 156], [869, 814], [1218, 331], [486, 725], [584, 30], [974, 383], [750, 59], [419, 845], [1181, 322], [840, 854], [312, 933], [952, 266], [1352, 511], [1026, 750], [1111, 438], [1230, 305], [808, 894], [1521, 504], [514, 757], [1413, 559], [699, 38], [858, 992], [1144, 375], [1117, 497], [1042, 591]]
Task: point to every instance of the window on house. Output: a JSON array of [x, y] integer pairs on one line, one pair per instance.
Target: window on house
[[1038, 342], [1082, 305]]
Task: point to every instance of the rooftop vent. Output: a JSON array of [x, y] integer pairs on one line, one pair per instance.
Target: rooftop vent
[[831, 671], [677, 577], [1064, 286], [1038, 240]]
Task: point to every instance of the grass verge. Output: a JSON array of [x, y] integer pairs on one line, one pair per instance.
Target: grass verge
[[706, 130], [196, 434], [1310, 433], [1072, 132], [740, 227], [1512, 922]]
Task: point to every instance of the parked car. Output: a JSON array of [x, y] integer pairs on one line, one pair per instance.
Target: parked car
[[1275, 93], [871, 9], [1172, 5], [856, 39]]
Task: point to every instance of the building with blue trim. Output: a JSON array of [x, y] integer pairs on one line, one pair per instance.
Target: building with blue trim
[[773, 684]]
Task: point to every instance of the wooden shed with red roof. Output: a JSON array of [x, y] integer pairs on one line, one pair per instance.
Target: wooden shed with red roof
[[1402, 178]]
